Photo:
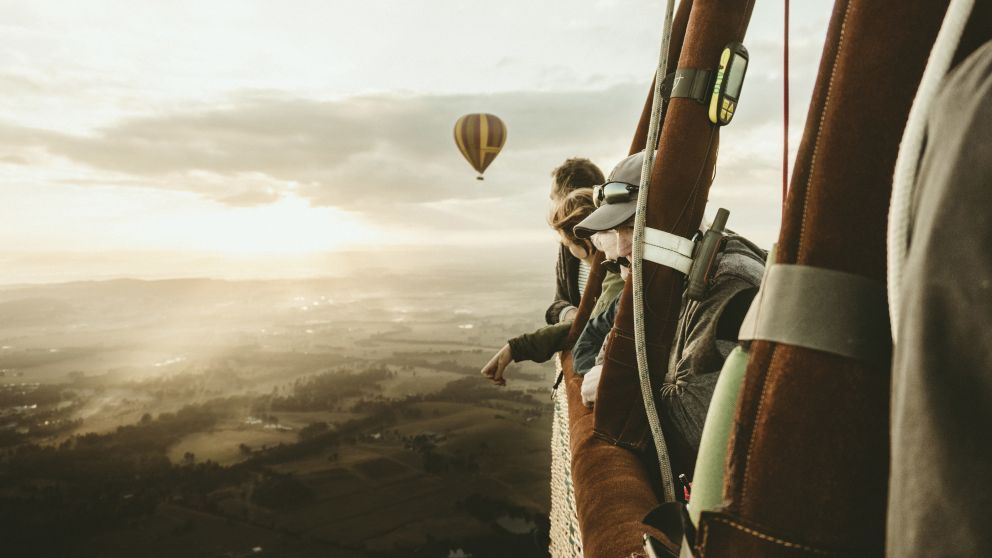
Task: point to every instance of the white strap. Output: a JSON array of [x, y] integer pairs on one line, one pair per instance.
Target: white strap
[[667, 258], [669, 241], [669, 250]]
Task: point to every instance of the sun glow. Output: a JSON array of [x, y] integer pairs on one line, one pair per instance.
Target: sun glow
[[288, 226]]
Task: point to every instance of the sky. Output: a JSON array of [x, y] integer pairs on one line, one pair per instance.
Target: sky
[[258, 139]]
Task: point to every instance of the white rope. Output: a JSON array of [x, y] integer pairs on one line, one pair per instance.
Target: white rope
[[911, 147], [647, 393]]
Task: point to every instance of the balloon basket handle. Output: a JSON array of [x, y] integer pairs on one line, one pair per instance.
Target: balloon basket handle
[[479, 177]]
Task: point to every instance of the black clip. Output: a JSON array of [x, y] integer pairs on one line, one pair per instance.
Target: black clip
[[705, 256], [554, 388], [654, 549]]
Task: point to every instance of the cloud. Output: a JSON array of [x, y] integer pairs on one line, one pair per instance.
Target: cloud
[[13, 160], [389, 157], [15, 83], [359, 153]]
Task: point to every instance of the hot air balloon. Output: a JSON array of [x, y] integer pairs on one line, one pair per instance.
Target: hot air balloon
[[480, 138]]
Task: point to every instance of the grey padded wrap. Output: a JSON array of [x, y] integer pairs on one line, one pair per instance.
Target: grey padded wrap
[[822, 309]]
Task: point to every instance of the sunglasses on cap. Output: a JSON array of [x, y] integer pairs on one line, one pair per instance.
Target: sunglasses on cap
[[614, 192], [615, 265]]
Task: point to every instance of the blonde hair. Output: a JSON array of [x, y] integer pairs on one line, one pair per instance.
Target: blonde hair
[[570, 211]]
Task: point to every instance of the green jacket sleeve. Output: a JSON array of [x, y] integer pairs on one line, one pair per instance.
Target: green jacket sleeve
[[541, 345]]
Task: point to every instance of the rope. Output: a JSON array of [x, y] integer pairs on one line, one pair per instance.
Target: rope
[[785, 110], [647, 393], [911, 149]]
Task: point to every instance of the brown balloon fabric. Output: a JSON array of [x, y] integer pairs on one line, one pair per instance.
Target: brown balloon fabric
[[612, 489], [480, 137], [808, 457]]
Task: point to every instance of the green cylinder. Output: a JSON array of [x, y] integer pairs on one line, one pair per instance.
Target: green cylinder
[[707, 479]]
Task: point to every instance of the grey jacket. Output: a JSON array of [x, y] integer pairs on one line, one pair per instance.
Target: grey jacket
[[940, 496], [706, 332]]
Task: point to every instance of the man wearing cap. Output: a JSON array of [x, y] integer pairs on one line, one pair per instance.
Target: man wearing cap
[[707, 329]]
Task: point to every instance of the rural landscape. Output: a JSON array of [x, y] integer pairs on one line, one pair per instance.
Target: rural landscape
[[342, 416]]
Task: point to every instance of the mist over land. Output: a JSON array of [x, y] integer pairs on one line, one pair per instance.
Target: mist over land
[[248, 281], [335, 416]]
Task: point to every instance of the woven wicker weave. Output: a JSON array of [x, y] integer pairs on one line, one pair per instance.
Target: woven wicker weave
[[566, 539]]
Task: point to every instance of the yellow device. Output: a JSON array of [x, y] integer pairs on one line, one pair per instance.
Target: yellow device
[[727, 87]]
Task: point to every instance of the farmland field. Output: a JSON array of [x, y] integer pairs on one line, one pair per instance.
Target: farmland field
[[172, 418]]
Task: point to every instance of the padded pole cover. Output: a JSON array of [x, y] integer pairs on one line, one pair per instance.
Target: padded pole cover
[[680, 182], [808, 464], [613, 492]]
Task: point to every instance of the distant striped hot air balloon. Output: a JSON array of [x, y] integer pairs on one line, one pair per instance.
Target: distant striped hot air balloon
[[480, 138]]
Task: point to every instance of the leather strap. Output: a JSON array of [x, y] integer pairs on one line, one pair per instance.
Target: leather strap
[[688, 83], [822, 309]]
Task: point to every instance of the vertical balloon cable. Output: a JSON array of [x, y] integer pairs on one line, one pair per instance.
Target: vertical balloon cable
[[785, 111], [640, 340]]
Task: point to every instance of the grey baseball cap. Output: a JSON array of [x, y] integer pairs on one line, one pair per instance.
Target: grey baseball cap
[[611, 215]]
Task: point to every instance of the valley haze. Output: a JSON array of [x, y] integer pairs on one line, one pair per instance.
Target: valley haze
[[298, 417]]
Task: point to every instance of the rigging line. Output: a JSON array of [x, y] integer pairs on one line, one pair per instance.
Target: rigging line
[[637, 267], [785, 111]]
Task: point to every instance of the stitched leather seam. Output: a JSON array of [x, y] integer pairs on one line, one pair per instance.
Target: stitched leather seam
[[744, 22], [802, 236], [706, 537], [819, 130], [769, 538], [757, 413]]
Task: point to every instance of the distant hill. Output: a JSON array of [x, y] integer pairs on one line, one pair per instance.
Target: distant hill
[[35, 311]]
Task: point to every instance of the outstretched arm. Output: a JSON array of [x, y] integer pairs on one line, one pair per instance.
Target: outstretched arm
[[496, 365]]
